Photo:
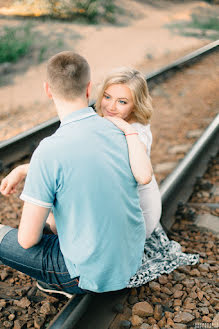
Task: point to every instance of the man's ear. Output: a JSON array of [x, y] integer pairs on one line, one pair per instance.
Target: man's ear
[[47, 89], [88, 90]]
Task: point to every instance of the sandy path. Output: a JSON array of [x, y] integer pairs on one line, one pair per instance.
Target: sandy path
[[128, 44]]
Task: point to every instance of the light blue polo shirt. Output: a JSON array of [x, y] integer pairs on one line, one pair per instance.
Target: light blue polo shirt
[[83, 173]]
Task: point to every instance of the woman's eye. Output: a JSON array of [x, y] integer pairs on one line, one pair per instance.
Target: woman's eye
[[106, 97], [122, 102]]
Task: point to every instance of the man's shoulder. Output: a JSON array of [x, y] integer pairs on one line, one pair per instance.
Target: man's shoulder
[[47, 146]]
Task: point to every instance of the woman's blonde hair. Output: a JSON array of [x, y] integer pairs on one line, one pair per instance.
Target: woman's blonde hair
[[138, 87]]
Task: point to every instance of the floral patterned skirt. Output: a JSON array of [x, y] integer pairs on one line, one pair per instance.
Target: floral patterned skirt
[[161, 256]]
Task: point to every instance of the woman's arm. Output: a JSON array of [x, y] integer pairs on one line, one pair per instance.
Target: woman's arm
[[10, 182], [139, 161]]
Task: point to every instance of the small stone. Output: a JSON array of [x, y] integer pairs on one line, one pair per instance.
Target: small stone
[[195, 272], [23, 303], [217, 307], [22, 291], [47, 308], [215, 322], [177, 149], [177, 302], [145, 326], [188, 283], [136, 320], [18, 324], [158, 312], [3, 303], [167, 291], [155, 300], [155, 286], [189, 306], [155, 326], [193, 295], [151, 320], [200, 295], [197, 314], [11, 317], [203, 267], [170, 322], [133, 292], [164, 167], [178, 293], [162, 322], [142, 309], [184, 269], [177, 286], [142, 293], [178, 276], [214, 300], [30, 324], [31, 310], [38, 322], [184, 317], [169, 315], [118, 308], [204, 310], [132, 300], [208, 221], [4, 274], [163, 279], [149, 56], [179, 326], [206, 319], [8, 324], [124, 324], [194, 133]]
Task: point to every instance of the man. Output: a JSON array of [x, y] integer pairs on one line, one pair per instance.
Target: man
[[82, 173]]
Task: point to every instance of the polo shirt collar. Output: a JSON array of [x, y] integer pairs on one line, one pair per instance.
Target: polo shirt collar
[[78, 115]]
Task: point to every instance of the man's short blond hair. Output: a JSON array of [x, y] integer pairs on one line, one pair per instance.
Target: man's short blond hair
[[68, 75]]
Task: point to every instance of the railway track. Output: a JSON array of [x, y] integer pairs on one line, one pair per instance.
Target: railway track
[[23, 144], [80, 312]]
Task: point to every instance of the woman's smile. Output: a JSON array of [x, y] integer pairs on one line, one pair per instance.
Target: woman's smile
[[117, 101]]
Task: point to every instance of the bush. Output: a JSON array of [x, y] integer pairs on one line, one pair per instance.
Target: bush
[[204, 23], [89, 10], [15, 43]]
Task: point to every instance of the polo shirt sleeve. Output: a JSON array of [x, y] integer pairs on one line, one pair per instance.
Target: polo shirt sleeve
[[43, 180]]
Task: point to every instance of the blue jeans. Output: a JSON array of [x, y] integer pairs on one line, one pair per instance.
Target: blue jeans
[[43, 261]]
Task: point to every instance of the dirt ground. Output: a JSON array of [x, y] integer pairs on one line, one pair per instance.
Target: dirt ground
[[140, 39]]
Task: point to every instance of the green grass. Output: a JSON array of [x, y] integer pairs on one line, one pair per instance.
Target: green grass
[[15, 42], [24, 42], [204, 24]]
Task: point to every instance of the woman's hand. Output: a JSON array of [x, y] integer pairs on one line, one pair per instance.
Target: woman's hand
[[121, 124], [10, 182]]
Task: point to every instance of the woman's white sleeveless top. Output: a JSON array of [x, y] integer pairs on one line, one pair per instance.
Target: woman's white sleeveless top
[[149, 194]]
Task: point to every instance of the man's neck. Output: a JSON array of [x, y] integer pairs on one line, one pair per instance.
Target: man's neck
[[64, 108]]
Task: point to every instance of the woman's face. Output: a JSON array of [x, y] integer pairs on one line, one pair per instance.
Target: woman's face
[[117, 101]]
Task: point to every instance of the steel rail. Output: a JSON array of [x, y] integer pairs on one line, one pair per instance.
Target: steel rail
[[178, 184], [182, 61], [176, 187], [16, 148]]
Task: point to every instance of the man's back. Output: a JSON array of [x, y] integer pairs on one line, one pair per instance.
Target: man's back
[[96, 207]]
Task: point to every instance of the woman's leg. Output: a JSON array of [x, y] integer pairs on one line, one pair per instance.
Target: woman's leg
[[43, 261]]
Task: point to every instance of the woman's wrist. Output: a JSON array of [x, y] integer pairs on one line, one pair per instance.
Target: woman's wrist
[[130, 131], [22, 169]]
